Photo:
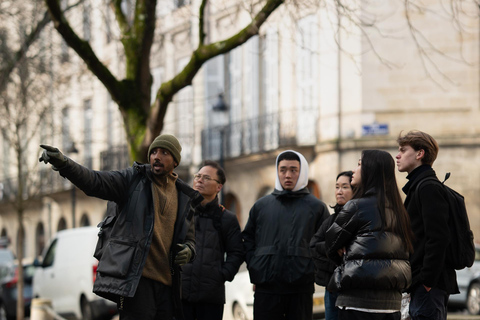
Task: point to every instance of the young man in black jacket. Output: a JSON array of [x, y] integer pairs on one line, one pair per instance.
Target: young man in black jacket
[[219, 249], [277, 238], [154, 231], [432, 280]]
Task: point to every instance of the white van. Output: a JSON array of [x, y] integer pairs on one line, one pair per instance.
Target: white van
[[66, 275]]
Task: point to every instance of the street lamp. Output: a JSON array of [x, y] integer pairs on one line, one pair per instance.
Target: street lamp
[[221, 106], [73, 150]]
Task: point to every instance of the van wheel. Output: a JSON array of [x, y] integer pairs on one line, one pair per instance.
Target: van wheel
[[473, 299], [238, 313], [86, 309]]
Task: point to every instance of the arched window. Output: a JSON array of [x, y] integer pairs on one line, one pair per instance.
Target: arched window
[[62, 224], [264, 191], [314, 189], [39, 239], [4, 240], [84, 221], [232, 204]]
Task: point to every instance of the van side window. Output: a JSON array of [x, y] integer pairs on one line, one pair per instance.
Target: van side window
[[50, 255]]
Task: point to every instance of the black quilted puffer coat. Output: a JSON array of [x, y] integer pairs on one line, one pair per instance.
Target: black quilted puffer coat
[[220, 253], [375, 268]]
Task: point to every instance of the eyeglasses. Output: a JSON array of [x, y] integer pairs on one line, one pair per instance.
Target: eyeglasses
[[199, 176]]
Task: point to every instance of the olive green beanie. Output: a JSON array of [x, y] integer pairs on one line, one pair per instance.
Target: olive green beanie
[[169, 142]]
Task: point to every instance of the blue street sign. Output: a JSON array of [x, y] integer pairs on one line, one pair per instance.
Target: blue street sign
[[375, 129]]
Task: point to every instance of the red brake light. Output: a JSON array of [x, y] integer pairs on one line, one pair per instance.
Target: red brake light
[[95, 266], [12, 283]]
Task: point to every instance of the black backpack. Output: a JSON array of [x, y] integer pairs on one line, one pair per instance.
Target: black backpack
[[461, 249]]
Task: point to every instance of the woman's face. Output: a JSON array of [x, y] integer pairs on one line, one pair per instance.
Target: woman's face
[[357, 174], [343, 190]]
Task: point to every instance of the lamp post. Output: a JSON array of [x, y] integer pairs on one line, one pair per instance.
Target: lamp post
[[222, 107], [73, 150]]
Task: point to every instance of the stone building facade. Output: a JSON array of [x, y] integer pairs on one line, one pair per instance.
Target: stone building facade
[[304, 83]]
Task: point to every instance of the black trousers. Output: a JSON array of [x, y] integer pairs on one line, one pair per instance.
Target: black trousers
[[430, 305], [360, 315], [269, 306], [202, 311], [152, 301]]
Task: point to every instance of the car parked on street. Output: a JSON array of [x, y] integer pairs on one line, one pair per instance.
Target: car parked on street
[[8, 304], [239, 298], [66, 275], [7, 260], [468, 280]]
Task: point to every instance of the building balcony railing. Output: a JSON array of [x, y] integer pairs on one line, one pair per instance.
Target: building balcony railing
[[266, 133], [115, 158]]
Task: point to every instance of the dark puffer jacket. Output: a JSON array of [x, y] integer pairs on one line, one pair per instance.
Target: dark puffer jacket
[[277, 238], [121, 264], [217, 233], [376, 268], [324, 266]]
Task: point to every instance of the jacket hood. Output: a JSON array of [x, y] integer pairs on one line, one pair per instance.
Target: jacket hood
[[302, 177]]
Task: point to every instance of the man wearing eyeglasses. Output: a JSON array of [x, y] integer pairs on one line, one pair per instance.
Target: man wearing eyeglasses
[[219, 249], [277, 236]]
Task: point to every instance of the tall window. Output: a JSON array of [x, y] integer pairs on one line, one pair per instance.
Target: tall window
[[235, 94], [214, 86], [269, 89], [39, 239], [86, 21], [5, 152], [251, 93], [307, 79], [64, 55], [108, 22], [88, 118], [157, 74], [66, 141], [110, 120], [184, 105]]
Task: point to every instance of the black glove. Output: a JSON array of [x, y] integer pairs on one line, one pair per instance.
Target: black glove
[[53, 156], [184, 255]]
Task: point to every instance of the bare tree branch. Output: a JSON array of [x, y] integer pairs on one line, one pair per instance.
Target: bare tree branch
[[6, 70], [84, 50]]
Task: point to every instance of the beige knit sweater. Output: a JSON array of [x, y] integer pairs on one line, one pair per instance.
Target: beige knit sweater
[[165, 200]]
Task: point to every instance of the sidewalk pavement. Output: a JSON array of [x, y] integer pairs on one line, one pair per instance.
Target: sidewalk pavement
[[462, 317]]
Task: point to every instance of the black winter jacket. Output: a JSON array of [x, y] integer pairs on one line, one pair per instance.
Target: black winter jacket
[[429, 220], [121, 264], [277, 238], [217, 233], [324, 266], [375, 268]]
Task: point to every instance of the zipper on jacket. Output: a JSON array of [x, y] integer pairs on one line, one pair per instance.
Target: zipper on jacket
[[172, 271], [120, 306]]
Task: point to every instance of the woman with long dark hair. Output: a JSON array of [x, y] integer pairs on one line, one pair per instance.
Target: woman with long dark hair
[[324, 267], [371, 240]]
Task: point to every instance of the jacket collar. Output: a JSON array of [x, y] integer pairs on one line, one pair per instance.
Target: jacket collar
[[416, 175], [209, 206], [196, 197], [291, 194]]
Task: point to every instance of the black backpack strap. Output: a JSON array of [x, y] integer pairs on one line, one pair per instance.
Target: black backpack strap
[[435, 179]]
